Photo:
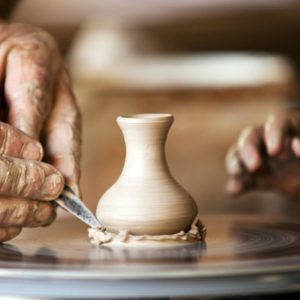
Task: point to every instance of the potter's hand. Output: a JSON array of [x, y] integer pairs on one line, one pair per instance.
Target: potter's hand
[[23, 178], [39, 98], [267, 157]]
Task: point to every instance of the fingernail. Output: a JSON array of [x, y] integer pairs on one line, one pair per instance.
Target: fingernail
[[32, 151], [273, 146], [52, 186], [273, 142], [252, 162], [296, 146], [234, 166]]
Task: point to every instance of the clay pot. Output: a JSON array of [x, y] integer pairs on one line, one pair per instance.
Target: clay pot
[[146, 199]]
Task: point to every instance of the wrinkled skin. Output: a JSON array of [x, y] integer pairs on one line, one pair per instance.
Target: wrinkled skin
[[40, 121], [267, 157]]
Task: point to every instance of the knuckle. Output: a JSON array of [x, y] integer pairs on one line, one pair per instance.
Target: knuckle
[[25, 213], [33, 178], [33, 37], [43, 212], [33, 88], [32, 93], [46, 36], [29, 47], [35, 64], [30, 37], [46, 213], [14, 212], [32, 150], [20, 179], [47, 42]]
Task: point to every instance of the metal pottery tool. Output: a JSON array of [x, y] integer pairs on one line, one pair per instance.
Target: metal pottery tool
[[69, 201]]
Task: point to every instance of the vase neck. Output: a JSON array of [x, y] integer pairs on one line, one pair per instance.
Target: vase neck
[[145, 139]]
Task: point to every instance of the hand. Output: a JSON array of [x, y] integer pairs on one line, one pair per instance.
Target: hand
[[24, 178], [39, 101], [267, 157]]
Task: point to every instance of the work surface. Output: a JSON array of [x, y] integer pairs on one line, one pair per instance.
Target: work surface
[[241, 255]]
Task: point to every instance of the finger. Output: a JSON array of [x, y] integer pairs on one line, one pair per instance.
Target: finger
[[240, 184], [249, 145], [29, 179], [7, 234], [15, 212], [295, 146], [17, 144], [28, 88], [234, 186], [63, 134], [275, 133], [232, 161]]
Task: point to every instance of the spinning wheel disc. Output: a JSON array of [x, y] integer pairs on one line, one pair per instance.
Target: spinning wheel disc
[[241, 255]]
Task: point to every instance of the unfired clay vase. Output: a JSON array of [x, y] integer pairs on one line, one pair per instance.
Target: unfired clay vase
[[146, 199]]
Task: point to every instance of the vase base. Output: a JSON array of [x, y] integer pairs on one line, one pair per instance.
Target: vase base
[[196, 233]]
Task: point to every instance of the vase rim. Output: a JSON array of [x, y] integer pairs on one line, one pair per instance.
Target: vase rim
[[146, 118]]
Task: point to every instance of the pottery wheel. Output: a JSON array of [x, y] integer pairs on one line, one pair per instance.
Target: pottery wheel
[[242, 255]]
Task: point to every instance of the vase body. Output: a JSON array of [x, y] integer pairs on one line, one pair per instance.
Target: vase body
[[146, 199]]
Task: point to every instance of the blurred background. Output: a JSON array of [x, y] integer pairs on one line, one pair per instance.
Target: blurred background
[[217, 65]]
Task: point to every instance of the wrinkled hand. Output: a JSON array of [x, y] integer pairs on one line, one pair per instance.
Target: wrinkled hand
[[38, 100], [267, 157]]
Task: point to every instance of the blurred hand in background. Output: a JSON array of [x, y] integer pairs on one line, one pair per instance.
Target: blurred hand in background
[[267, 157], [40, 116]]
